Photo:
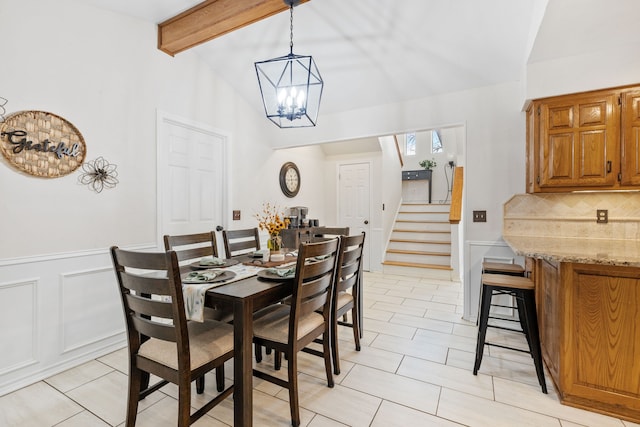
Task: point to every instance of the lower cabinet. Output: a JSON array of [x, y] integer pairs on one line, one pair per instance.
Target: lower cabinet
[[590, 332]]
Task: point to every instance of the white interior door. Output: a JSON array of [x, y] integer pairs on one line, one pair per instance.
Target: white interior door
[[354, 196], [191, 176]]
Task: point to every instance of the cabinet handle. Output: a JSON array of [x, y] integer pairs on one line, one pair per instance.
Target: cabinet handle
[[608, 166]]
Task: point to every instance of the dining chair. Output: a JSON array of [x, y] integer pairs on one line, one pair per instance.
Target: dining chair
[[289, 328], [346, 293], [191, 248], [240, 242], [161, 341]]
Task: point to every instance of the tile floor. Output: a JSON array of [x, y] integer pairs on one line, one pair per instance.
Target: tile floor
[[414, 370]]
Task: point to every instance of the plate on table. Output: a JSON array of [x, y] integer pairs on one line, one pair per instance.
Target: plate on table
[[227, 262], [270, 275], [221, 276]]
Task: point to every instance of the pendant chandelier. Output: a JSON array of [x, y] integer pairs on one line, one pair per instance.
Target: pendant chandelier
[[291, 86]]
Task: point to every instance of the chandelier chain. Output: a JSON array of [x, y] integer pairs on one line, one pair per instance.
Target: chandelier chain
[[291, 29]]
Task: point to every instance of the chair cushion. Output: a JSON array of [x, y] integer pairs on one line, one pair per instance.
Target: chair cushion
[[343, 299], [274, 324], [207, 341]]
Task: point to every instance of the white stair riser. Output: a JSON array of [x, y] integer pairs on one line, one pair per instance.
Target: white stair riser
[[411, 227], [424, 247], [424, 207], [426, 236], [419, 259], [419, 216]]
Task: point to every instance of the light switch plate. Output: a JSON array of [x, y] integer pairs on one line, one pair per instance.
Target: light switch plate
[[479, 216], [236, 215]]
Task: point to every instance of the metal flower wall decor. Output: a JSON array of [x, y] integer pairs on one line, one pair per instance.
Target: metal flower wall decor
[[3, 102], [99, 174]]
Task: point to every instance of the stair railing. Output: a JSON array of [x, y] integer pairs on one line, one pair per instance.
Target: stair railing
[[455, 214]]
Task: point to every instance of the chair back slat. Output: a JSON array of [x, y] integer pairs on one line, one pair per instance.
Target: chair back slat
[[239, 242], [190, 247], [315, 294], [344, 285], [154, 329], [155, 284], [150, 307]]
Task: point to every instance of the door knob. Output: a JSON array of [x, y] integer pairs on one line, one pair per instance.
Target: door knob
[[366, 221], [219, 228]]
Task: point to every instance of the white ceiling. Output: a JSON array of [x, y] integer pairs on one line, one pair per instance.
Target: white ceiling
[[373, 52]]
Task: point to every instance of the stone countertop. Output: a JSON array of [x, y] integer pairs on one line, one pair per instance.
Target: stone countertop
[[577, 250]]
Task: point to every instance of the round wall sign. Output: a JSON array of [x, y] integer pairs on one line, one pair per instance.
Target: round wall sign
[[42, 144]]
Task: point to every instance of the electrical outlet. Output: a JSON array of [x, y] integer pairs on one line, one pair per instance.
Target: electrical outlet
[[479, 216], [236, 215], [602, 216]]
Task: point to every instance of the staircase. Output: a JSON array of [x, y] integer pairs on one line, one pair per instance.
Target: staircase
[[420, 241]]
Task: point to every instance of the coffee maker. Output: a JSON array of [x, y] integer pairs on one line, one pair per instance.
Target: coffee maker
[[298, 216]]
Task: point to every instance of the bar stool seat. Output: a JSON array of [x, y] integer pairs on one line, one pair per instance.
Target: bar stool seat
[[503, 268], [523, 290]]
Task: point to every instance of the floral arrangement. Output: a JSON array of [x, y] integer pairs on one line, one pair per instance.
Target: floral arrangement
[[271, 219], [428, 164]]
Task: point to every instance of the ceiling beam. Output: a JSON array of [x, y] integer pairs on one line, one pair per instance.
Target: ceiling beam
[[211, 19]]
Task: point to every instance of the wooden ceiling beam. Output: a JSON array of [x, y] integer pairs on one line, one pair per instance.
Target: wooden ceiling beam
[[211, 19]]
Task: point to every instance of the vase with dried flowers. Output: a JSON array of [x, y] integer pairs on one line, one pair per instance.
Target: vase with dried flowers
[[272, 220]]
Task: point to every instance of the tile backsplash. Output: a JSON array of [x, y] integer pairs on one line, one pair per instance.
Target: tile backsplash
[[573, 215]]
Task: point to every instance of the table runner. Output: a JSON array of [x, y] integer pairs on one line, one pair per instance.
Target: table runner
[[194, 293]]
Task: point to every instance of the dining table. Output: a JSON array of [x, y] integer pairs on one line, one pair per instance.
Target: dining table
[[246, 296]]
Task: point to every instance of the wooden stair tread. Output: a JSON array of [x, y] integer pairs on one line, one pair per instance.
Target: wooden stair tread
[[414, 264], [422, 221], [437, 242], [424, 213], [424, 204], [403, 251], [404, 230]]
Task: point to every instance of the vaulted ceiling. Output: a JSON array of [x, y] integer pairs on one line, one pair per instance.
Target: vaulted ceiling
[[373, 52]]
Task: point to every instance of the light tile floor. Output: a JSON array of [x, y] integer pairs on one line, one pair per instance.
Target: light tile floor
[[414, 370]]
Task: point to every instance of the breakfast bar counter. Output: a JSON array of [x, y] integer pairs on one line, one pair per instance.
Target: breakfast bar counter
[[588, 299], [621, 252]]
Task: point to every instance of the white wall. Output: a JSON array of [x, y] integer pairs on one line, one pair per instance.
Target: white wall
[[103, 73]]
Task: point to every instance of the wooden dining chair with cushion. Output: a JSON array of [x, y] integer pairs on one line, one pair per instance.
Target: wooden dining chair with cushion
[[289, 328], [161, 341], [240, 242], [191, 248], [346, 293]]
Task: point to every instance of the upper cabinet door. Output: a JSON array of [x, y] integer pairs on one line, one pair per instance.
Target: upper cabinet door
[[630, 166], [579, 141]]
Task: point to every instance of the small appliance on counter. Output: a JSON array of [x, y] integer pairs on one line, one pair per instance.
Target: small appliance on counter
[[298, 217]]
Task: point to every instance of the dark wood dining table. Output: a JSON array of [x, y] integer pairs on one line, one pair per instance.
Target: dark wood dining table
[[246, 296]]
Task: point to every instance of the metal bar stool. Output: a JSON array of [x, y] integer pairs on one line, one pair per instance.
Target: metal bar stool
[[523, 290]]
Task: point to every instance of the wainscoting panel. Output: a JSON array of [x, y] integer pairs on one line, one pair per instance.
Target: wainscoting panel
[[90, 308], [476, 253], [18, 317], [57, 311]]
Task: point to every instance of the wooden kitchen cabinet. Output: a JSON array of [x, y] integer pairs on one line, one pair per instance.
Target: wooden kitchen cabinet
[[630, 171], [589, 319], [585, 141]]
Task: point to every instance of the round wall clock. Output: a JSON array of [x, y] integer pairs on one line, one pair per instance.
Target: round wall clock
[[289, 179]]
